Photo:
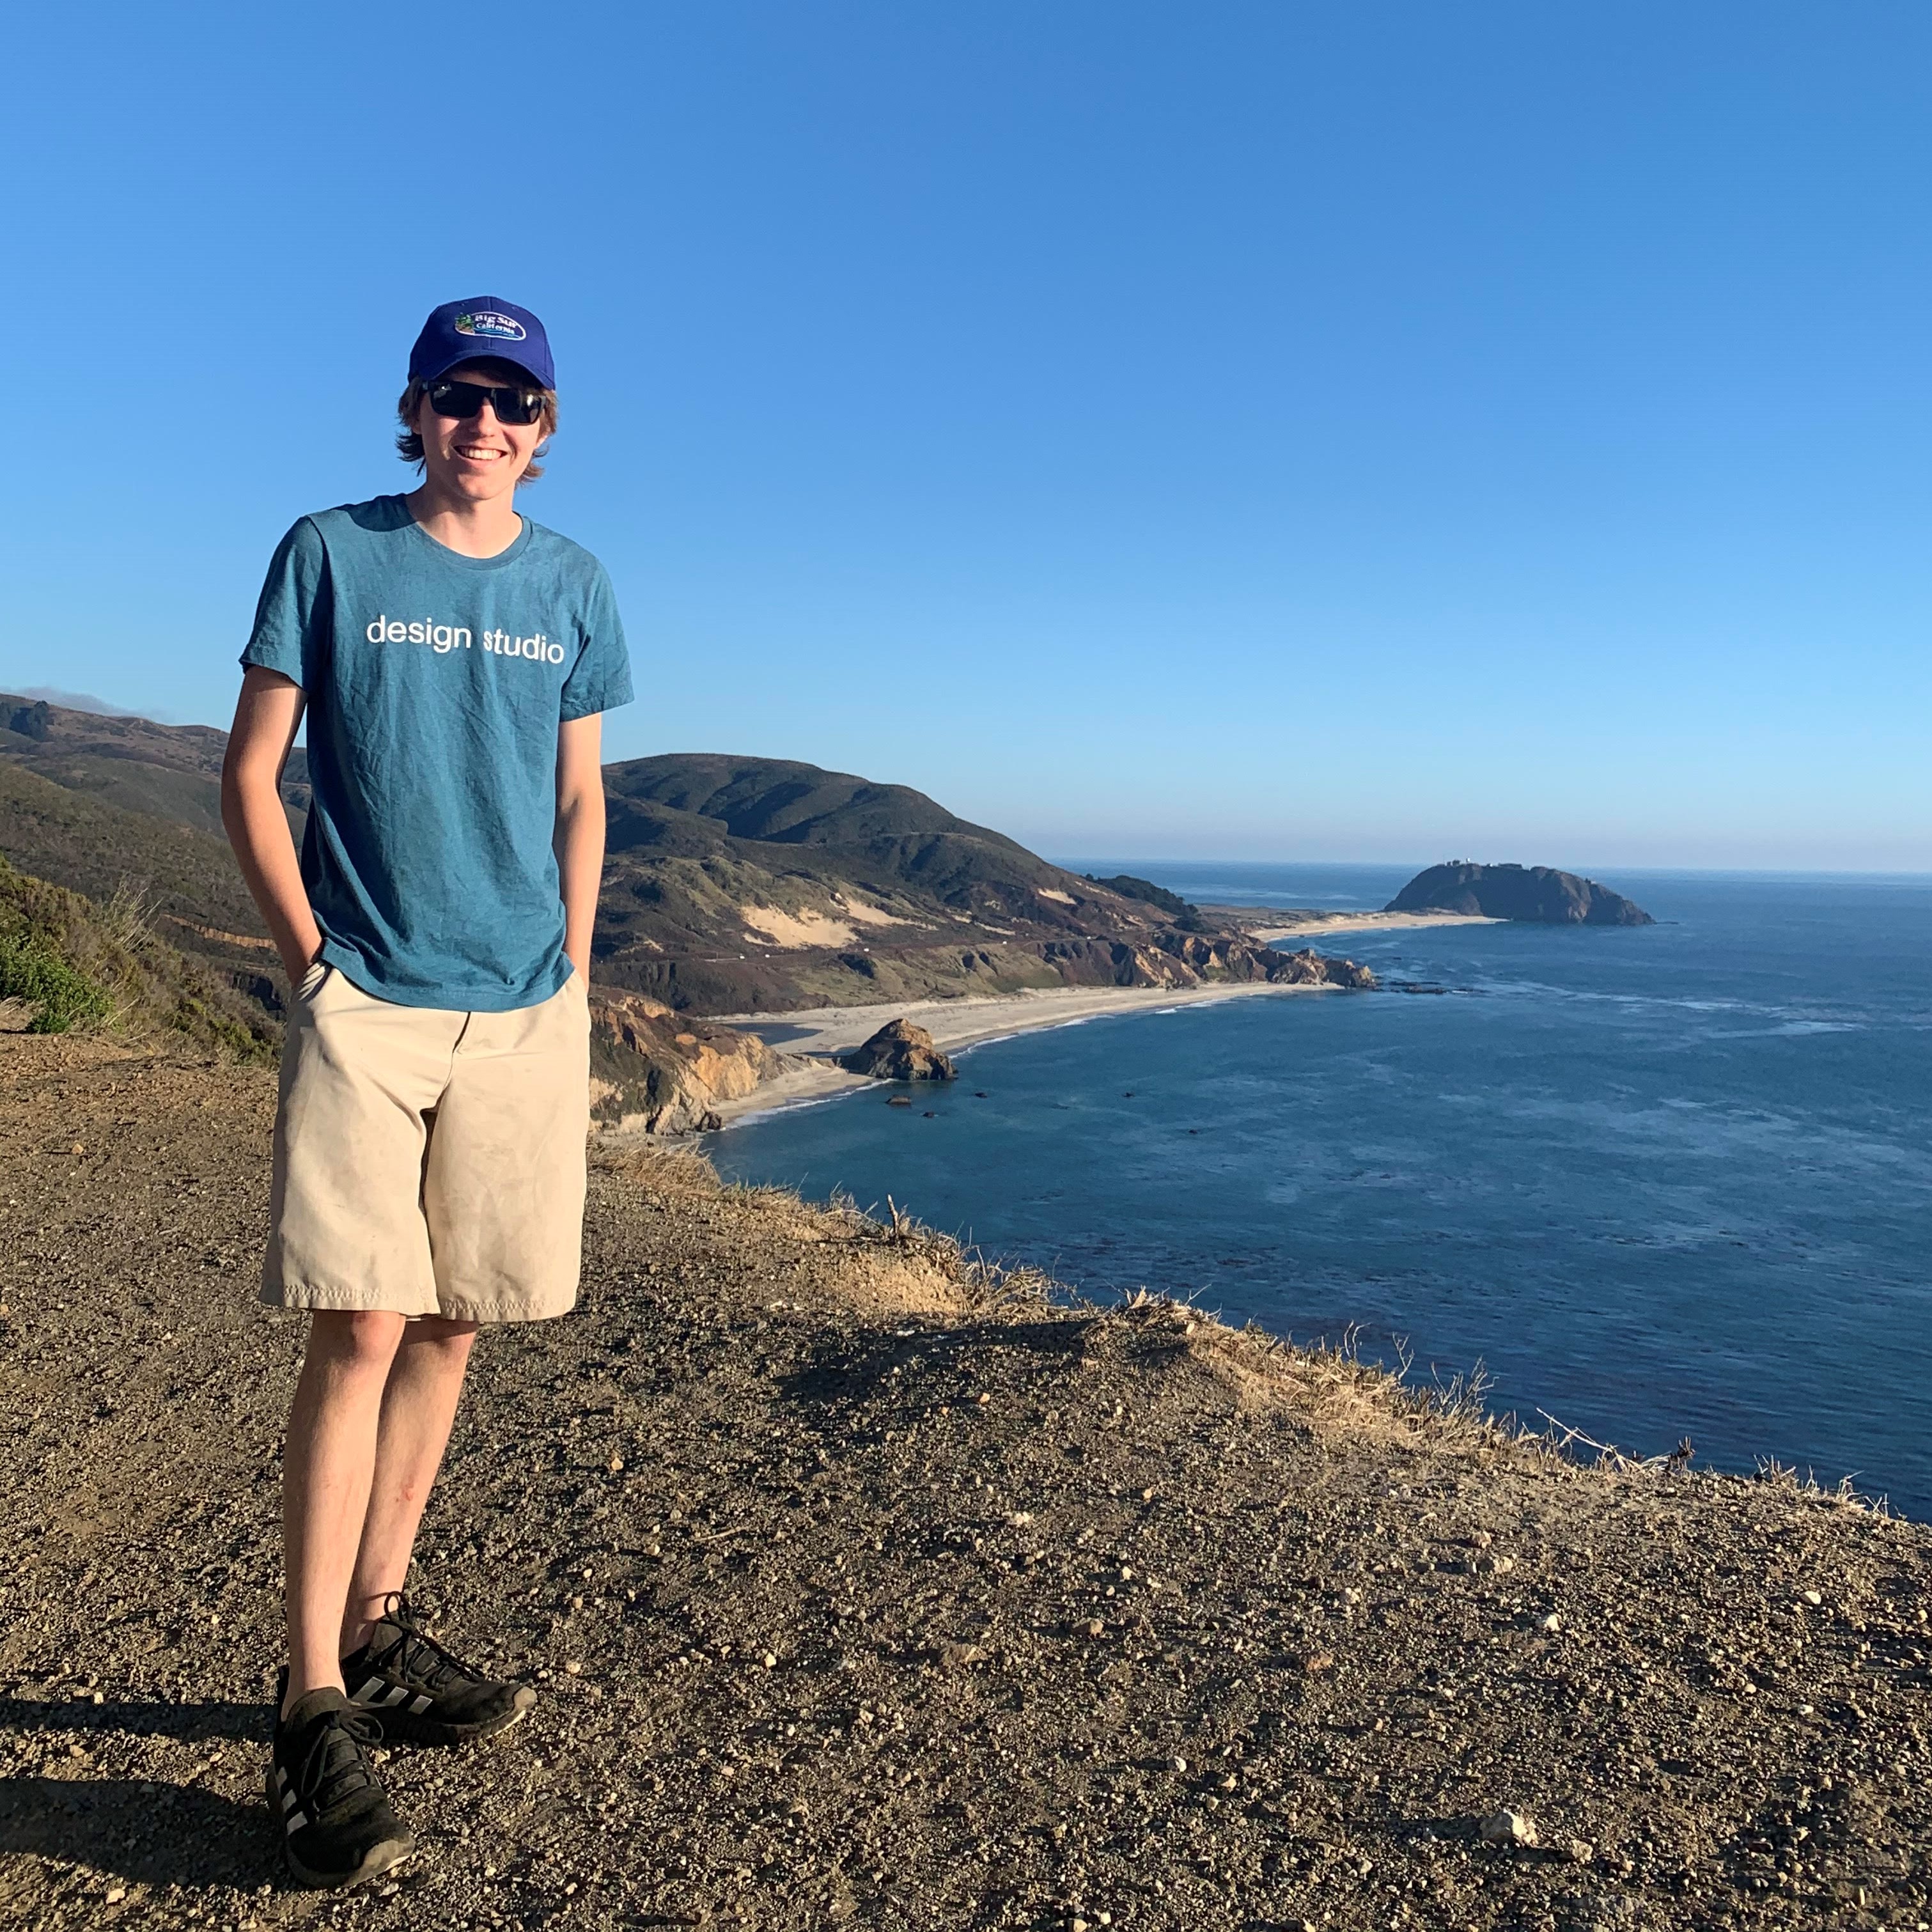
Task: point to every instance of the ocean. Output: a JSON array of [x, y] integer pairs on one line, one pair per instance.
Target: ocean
[[1659, 1181]]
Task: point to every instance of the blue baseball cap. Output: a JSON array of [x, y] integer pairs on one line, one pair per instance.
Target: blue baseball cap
[[466, 332]]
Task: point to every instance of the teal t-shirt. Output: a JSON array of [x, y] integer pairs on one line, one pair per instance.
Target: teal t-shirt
[[435, 685]]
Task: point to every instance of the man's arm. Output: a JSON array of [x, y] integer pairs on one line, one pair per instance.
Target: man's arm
[[580, 832], [266, 717]]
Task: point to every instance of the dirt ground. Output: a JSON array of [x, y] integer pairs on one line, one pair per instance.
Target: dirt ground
[[864, 1589]]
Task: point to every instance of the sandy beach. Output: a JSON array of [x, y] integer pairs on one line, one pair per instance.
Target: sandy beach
[[1262, 922], [818, 1034]]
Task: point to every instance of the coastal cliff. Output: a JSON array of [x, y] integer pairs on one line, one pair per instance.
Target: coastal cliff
[[657, 1071], [1539, 894], [863, 1583]]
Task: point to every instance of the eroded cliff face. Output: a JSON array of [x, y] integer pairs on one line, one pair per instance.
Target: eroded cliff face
[[653, 1068]]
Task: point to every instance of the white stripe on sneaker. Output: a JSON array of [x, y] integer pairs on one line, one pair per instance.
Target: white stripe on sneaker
[[395, 1696], [421, 1704], [367, 1694], [295, 1821]]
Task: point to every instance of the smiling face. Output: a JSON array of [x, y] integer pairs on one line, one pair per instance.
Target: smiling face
[[479, 458]]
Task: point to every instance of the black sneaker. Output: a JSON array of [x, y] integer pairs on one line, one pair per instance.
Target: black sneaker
[[425, 1695], [336, 1826]]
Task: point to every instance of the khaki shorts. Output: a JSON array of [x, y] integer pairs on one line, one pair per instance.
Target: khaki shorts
[[429, 1162]]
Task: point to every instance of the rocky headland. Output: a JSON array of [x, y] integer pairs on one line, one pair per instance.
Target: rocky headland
[[656, 1071], [1536, 893], [865, 1584]]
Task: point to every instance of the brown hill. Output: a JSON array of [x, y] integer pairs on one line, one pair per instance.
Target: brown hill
[[732, 885]]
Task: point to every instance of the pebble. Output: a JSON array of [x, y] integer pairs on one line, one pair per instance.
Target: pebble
[[1508, 1827], [575, 1669], [1178, 1764], [1813, 1598], [1551, 1624]]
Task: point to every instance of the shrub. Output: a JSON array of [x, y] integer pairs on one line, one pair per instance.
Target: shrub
[[32, 971]]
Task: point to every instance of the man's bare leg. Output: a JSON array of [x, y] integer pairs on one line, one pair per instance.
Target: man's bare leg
[[418, 1406], [327, 1471]]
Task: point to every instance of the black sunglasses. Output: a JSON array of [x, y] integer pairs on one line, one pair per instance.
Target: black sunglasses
[[460, 401]]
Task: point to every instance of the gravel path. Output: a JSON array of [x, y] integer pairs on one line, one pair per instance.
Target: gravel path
[[859, 1594]]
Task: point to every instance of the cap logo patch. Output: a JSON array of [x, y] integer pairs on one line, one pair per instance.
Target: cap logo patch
[[489, 322]]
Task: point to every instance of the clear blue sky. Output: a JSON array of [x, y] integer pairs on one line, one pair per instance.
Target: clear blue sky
[[1276, 429]]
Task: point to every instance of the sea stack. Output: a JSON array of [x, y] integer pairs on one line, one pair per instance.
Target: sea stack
[[900, 1051], [1538, 893]]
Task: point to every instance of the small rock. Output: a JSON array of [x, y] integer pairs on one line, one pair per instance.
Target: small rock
[[1507, 1827], [1076, 1925], [1578, 1851], [575, 1669], [1178, 1764], [1317, 1661], [769, 1661], [1500, 1566], [1350, 1598], [1094, 1626], [116, 1894], [1813, 1598], [1550, 1625]]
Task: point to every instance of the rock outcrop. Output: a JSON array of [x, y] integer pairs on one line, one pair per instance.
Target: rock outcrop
[[900, 1051], [1537, 893], [653, 1068]]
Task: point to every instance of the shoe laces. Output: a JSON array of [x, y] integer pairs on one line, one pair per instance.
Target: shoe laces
[[334, 1768], [413, 1654]]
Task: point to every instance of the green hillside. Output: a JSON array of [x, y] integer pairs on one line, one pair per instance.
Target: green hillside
[[66, 961]]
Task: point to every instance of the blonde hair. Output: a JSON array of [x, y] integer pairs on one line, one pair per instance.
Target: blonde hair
[[409, 407]]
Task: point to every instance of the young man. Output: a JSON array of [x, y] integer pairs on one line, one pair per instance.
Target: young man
[[453, 659]]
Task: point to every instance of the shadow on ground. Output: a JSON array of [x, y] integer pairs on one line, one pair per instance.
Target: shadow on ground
[[149, 1834], [191, 1723]]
